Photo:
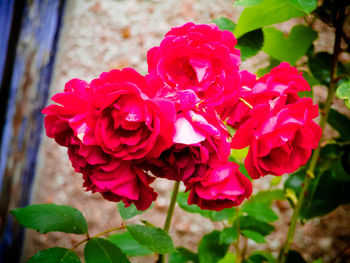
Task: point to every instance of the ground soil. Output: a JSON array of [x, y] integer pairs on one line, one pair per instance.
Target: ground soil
[[100, 35]]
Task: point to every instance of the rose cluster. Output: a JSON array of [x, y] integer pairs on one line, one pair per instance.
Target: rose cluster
[[123, 130]]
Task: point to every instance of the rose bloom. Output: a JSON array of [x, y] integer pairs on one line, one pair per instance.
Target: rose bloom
[[121, 181], [201, 58], [220, 187], [200, 140], [281, 137], [282, 80], [106, 125], [130, 125]]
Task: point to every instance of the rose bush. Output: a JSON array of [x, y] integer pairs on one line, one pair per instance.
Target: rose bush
[[123, 129]]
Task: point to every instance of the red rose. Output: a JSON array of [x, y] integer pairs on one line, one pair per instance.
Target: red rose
[[129, 124], [201, 58], [121, 181], [221, 187], [281, 137]]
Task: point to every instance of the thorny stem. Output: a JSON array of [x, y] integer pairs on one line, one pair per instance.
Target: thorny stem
[[169, 216], [97, 235], [313, 161]]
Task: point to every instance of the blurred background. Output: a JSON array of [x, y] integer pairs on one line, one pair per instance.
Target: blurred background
[[43, 45]]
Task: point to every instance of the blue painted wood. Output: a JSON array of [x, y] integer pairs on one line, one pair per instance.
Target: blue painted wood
[[33, 66], [6, 11]]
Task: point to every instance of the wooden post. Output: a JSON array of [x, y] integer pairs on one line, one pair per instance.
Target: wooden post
[[21, 133]]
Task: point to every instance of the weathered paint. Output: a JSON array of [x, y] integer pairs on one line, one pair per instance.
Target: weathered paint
[[23, 126], [6, 11]]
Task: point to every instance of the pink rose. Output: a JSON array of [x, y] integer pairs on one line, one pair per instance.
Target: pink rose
[[200, 140], [281, 137], [201, 58], [282, 80], [221, 187], [129, 124], [121, 181]]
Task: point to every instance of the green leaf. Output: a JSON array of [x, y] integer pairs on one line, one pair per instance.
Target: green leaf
[[128, 244], [188, 254], [294, 257], [268, 12], [247, 2], [276, 180], [262, 257], [210, 250], [128, 212], [343, 92], [177, 257], [330, 187], [320, 66], [183, 255], [103, 251], [305, 5], [239, 154], [260, 211], [268, 196], [250, 223], [289, 49], [228, 235], [255, 236], [153, 238], [225, 24], [310, 79], [182, 201], [262, 71], [224, 214], [228, 258], [250, 43], [55, 255], [51, 217], [341, 123], [318, 261]]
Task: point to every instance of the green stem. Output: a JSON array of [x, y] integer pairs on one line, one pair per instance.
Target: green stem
[[169, 216], [313, 161], [97, 235], [171, 207], [238, 251]]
